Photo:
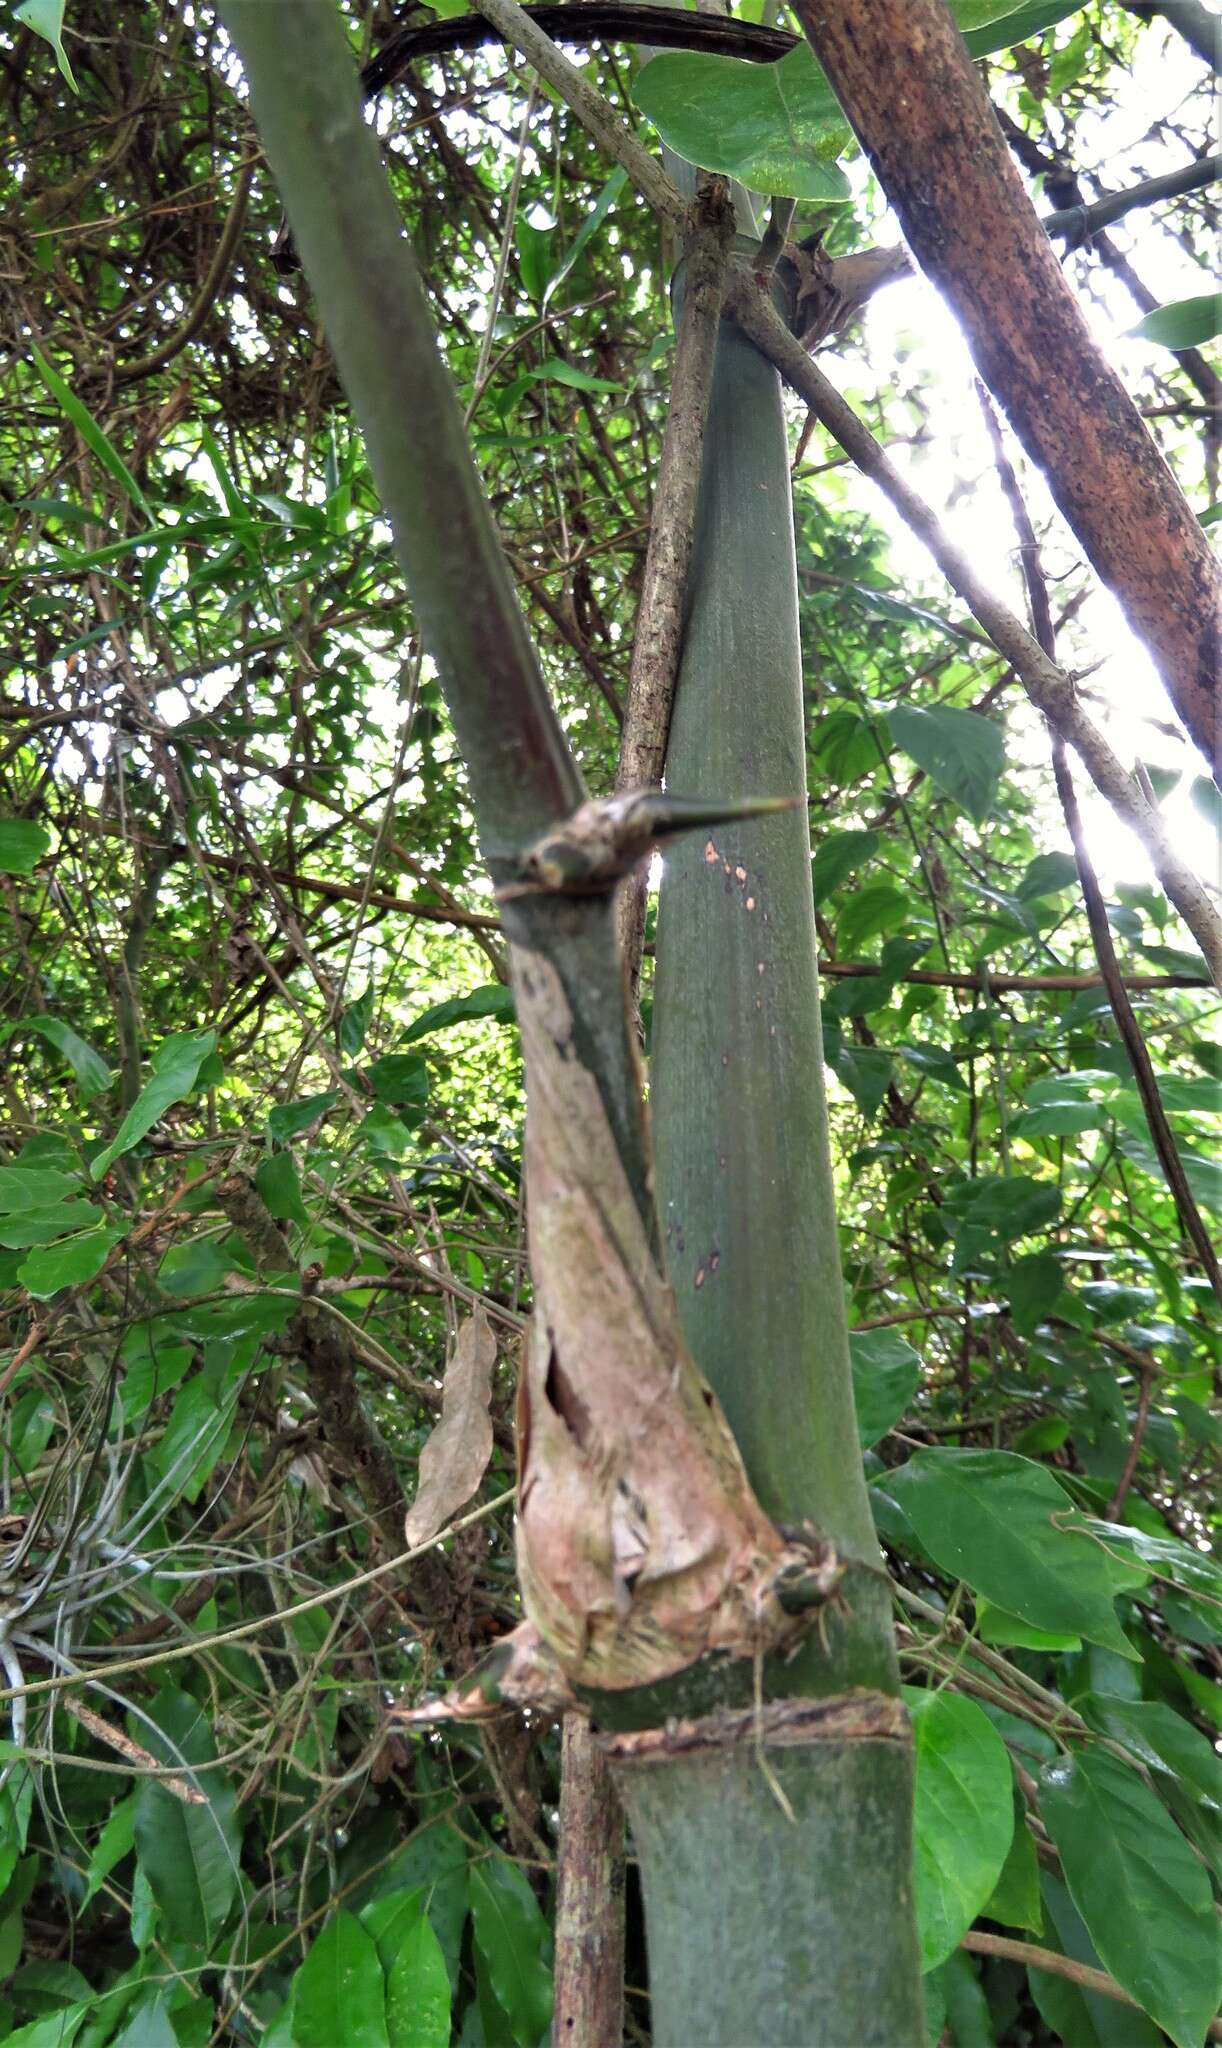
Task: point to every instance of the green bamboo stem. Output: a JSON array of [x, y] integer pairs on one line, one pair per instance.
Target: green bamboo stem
[[764, 1927], [306, 99], [770, 1928]]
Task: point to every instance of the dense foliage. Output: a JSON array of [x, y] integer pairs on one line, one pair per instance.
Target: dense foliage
[[261, 1159]]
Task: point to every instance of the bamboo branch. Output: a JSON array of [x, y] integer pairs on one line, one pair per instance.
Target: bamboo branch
[[659, 625], [1050, 689]]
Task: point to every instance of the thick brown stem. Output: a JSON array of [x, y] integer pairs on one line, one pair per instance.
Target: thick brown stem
[[904, 78], [589, 1970]]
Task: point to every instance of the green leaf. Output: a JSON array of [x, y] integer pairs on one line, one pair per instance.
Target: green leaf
[[776, 127], [593, 221], [858, 995], [1057, 1118], [1005, 1526], [1207, 798], [418, 1992], [195, 1436], [1079, 2019], [846, 745], [836, 857], [401, 1078], [1198, 1570], [23, 842], [116, 1841], [39, 1226], [492, 1000], [534, 256], [935, 1061], [1142, 1892], [289, 1119], [92, 434], [54, 2030], [1019, 26], [175, 1070], [1032, 1286], [278, 1183], [963, 1816], [354, 1023], [1007, 1206], [962, 751], [93, 1076], [389, 1918], [1204, 1175], [16, 1804], [866, 1073], [556, 371], [46, 18], [878, 907], [1046, 1433], [886, 1375], [1160, 1737], [1015, 1898], [1010, 1633], [967, 2008], [69, 1263], [339, 1994], [511, 1935], [435, 1859], [1184, 323], [34, 1187], [188, 1853]]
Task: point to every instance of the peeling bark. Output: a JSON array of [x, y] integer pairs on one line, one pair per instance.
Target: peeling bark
[[641, 1547]]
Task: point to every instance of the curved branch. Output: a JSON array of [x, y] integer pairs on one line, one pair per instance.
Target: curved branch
[[218, 271], [668, 28]]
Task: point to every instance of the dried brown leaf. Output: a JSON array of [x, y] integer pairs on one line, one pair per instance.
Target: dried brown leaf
[[455, 1458]]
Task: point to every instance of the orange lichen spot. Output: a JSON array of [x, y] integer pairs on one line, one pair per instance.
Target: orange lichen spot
[[759, 967], [740, 874], [710, 852], [751, 903], [700, 1276]]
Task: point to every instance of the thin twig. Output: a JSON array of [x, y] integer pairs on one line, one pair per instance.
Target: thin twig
[[1082, 1974], [244, 1629], [1096, 911], [1140, 1420], [596, 115]]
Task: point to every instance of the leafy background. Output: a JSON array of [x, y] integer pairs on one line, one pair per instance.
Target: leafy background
[[263, 1093]]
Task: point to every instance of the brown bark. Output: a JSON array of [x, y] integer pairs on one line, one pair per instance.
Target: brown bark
[[907, 84], [589, 1974]]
